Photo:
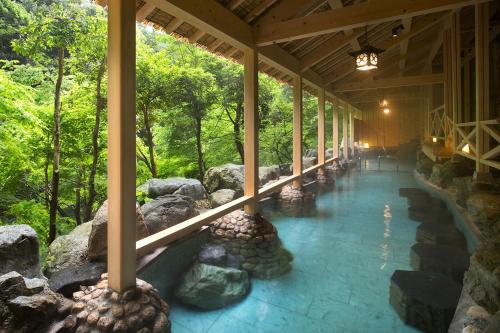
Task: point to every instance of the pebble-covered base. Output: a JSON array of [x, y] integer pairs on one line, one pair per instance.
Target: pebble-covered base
[[254, 239], [100, 309], [296, 201]]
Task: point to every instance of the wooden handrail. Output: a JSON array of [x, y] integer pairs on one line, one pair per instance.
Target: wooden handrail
[[183, 229]]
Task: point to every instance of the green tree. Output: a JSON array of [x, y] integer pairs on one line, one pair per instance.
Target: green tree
[[192, 92], [46, 39]]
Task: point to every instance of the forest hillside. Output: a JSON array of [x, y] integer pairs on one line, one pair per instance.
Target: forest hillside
[[53, 104]]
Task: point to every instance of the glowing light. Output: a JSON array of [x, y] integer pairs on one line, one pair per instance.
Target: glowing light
[[384, 103], [466, 149], [366, 145], [434, 139], [386, 110]]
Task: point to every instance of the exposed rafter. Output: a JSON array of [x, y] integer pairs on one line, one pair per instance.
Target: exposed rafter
[[390, 83], [370, 12]]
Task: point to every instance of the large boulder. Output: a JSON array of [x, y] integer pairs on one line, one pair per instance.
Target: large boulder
[[424, 300], [494, 326], [69, 280], [212, 287], [269, 173], [183, 186], [19, 250], [484, 207], [69, 250], [227, 176], [443, 174], [424, 164], [308, 162], [168, 210], [97, 243], [482, 280], [221, 197], [28, 305]]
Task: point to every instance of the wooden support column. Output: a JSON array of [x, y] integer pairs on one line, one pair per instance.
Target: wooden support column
[[335, 141], [321, 129], [467, 86], [345, 115], [351, 129], [456, 75], [482, 84], [297, 130], [121, 145], [448, 104], [251, 146]]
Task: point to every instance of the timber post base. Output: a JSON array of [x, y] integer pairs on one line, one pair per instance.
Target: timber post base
[[254, 241], [100, 309]]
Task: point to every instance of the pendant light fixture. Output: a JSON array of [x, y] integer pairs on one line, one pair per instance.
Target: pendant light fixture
[[367, 57]]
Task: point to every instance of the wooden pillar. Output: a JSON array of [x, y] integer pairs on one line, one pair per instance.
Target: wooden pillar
[[251, 145], [345, 115], [467, 100], [482, 83], [335, 141], [448, 106], [321, 128], [297, 130], [121, 145], [351, 129], [456, 75]]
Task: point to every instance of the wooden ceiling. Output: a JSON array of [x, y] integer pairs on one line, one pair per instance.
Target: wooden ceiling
[[318, 35]]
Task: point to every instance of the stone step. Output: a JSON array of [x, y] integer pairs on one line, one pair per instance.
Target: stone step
[[411, 191], [424, 300], [449, 261], [430, 215], [421, 201], [440, 234]]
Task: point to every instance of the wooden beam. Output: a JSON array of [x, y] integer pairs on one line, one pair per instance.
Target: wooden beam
[[350, 17], [297, 130], [328, 48], [282, 11], [403, 47], [144, 11], [259, 9], [172, 25], [482, 84], [390, 83], [251, 144], [121, 145], [321, 127], [212, 18], [233, 4]]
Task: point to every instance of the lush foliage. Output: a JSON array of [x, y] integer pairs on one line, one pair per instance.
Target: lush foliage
[[189, 112]]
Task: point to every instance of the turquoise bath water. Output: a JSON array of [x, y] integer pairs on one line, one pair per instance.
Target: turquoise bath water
[[344, 257]]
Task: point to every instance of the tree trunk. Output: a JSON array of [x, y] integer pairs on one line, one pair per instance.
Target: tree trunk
[[78, 198], [99, 106], [237, 133], [201, 163], [46, 174], [149, 142], [57, 149]]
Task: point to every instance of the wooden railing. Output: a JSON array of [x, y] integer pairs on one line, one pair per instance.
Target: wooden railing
[[467, 135], [185, 228]]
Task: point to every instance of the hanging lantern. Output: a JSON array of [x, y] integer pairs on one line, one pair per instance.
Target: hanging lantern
[[367, 57], [387, 110]]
